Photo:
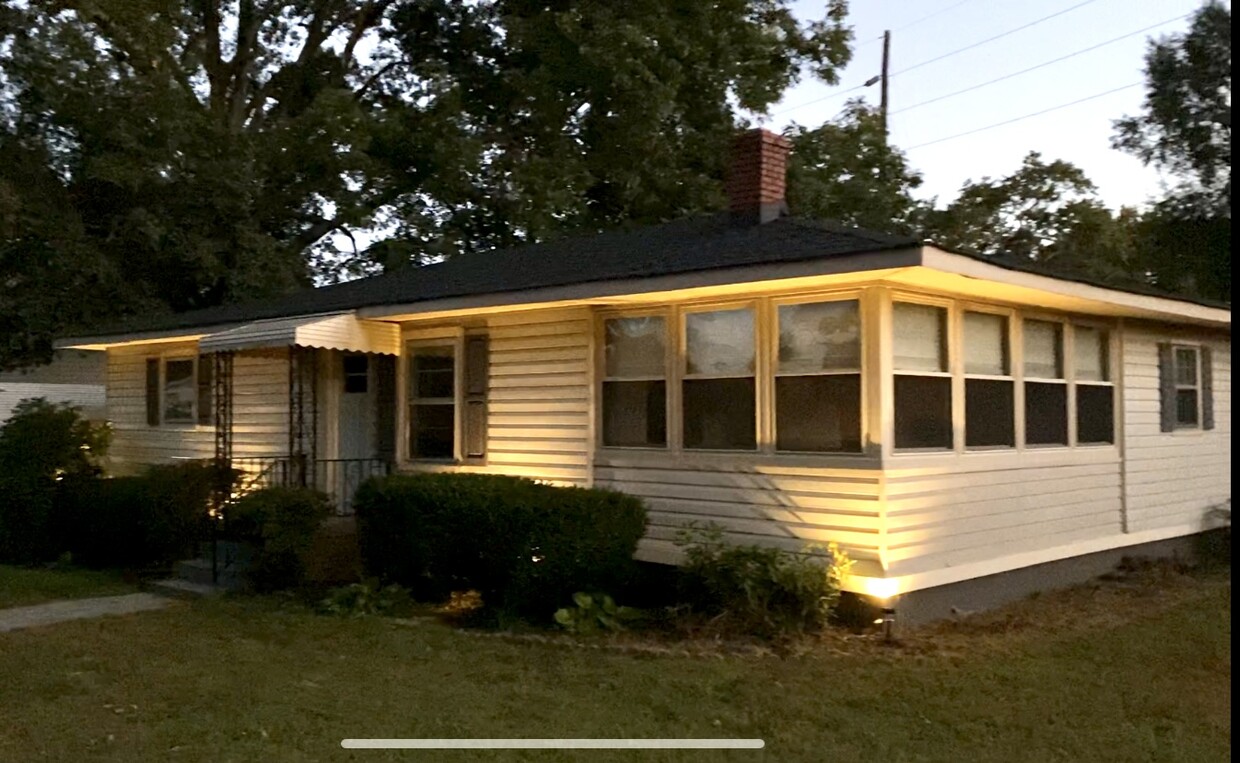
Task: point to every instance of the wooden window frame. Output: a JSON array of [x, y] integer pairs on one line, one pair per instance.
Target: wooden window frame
[[760, 374], [1108, 333], [670, 354], [454, 340], [1066, 362], [1013, 375], [193, 423], [951, 352], [1196, 387]]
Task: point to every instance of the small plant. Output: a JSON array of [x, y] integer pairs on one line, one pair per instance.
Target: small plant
[[761, 590], [366, 599], [594, 612]]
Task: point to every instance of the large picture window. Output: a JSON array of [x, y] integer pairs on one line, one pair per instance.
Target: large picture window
[[635, 382], [923, 383], [718, 390], [989, 406], [1046, 388], [1095, 393], [432, 402], [818, 378]]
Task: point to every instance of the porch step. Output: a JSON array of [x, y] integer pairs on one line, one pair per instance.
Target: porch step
[[185, 589], [231, 553], [198, 572]]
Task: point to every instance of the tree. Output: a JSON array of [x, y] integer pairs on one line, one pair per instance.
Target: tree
[[205, 151], [846, 171], [1185, 131]]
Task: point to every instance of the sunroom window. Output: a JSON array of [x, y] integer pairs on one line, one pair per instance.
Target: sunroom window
[[635, 382], [719, 387], [988, 385], [1095, 393], [1046, 389], [923, 383], [818, 378]]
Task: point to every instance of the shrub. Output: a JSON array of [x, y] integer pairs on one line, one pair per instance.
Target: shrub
[[133, 522], [41, 444], [525, 547], [761, 590], [281, 523], [365, 599], [594, 612]]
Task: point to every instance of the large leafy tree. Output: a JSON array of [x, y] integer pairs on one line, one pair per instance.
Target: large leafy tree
[[846, 171], [182, 153], [1185, 130]]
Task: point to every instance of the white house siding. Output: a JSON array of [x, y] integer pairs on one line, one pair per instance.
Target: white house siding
[[978, 507], [260, 409], [1172, 478], [759, 500], [89, 397]]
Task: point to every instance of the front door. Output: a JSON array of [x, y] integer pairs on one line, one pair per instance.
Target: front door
[[357, 409]]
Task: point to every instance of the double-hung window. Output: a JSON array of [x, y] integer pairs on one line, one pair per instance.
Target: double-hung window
[[989, 406], [179, 391], [1095, 393], [1187, 387], [718, 388], [1046, 388], [635, 382], [818, 378], [923, 381], [432, 402]]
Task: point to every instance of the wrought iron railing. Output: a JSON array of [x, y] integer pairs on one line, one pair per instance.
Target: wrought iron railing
[[339, 478]]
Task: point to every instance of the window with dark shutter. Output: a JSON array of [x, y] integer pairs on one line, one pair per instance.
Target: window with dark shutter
[[476, 362], [206, 378], [152, 392]]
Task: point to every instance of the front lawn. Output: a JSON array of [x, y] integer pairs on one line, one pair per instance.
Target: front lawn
[[1130, 671], [22, 586]]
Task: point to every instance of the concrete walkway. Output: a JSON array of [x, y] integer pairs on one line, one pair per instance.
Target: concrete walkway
[[78, 609]]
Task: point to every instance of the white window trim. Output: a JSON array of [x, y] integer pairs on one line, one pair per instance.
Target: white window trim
[[1013, 375], [1109, 335], [1065, 328], [1199, 426], [954, 363], [759, 374], [411, 342], [181, 425], [669, 356]]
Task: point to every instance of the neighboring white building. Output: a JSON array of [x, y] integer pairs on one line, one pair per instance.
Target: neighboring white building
[[967, 428], [74, 377]]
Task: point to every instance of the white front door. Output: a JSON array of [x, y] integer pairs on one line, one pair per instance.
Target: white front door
[[357, 409]]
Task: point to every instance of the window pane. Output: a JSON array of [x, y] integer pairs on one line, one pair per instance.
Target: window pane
[[432, 373], [818, 413], [1043, 350], [179, 391], [920, 337], [985, 344], [1186, 366], [1090, 354], [635, 346], [923, 412], [635, 413], [1186, 407], [989, 414], [434, 431], [356, 373], [822, 336], [1046, 414], [719, 414], [356, 364], [1095, 414], [720, 343]]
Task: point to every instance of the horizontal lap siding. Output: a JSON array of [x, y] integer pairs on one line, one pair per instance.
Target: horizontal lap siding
[[1172, 478], [769, 505], [946, 517], [260, 411]]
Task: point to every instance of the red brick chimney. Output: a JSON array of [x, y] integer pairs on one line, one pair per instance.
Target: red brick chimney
[[755, 183]]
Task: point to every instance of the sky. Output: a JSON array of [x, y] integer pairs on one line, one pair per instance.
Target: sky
[[927, 29]]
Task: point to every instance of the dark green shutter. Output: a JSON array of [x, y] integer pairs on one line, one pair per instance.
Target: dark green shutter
[[152, 392], [206, 378], [1166, 387], [385, 401], [1207, 389], [476, 361]]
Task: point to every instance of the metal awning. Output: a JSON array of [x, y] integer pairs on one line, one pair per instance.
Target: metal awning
[[335, 331]]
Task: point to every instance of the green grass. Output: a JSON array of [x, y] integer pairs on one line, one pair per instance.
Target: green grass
[[22, 586], [1119, 673]]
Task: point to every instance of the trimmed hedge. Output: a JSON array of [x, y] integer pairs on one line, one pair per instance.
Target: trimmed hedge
[[526, 547], [280, 522], [133, 522]]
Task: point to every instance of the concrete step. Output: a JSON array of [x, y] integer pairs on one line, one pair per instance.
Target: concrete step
[[198, 571], [185, 589]]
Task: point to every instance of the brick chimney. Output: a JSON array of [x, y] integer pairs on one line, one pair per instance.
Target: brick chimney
[[755, 183]]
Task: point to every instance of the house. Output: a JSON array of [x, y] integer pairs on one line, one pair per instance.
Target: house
[[74, 377], [968, 428]]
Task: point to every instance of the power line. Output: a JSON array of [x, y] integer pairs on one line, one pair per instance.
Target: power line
[[919, 104], [949, 54], [999, 36], [929, 16], [1024, 117]]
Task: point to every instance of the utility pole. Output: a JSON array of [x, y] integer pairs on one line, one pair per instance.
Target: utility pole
[[882, 109]]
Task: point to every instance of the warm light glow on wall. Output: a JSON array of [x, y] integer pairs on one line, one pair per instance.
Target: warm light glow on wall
[[879, 588]]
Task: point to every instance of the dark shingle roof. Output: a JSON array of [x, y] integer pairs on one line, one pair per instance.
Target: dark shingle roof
[[683, 246]]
